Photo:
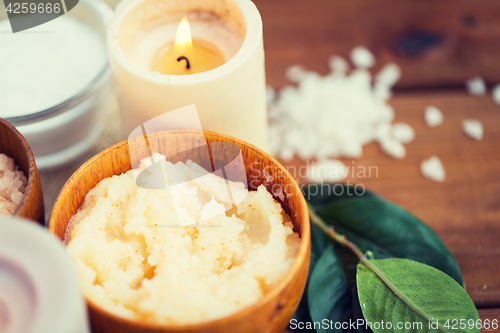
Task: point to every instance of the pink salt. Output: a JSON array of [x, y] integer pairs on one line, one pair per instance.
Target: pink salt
[[12, 185]]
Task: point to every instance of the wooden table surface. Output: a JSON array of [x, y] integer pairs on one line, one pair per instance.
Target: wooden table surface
[[439, 45]]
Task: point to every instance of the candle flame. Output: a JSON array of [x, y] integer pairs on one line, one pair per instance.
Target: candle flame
[[183, 41]]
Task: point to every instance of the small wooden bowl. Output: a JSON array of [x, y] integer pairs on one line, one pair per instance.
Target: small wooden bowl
[[14, 145], [274, 310]]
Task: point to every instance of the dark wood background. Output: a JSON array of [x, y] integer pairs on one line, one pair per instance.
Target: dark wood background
[[439, 45]]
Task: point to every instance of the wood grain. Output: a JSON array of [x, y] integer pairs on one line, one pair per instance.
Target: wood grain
[[13, 144], [437, 43], [490, 318], [273, 312], [465, 209]]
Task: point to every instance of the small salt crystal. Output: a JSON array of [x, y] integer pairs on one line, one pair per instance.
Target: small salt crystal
[[3, 162], [403, 132], [6, 163], [3, 210], [473, 128], [382, 91], [9, 174], [16, 197], [433, 116], [296, 73], [361, 78], [389, 74], [17, 183], [495, 93], [9, 182], [12, 185], [476, 86], [393, 147], [361, 57], [433, 169], [326, 171], [338, 65], [10, 206]]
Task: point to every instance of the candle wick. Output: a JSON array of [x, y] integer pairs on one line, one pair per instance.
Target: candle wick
[[188, 66]]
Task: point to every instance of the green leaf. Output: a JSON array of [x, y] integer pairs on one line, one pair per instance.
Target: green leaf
[[319, 242], [329, 295], [389, 231], [423, 293]]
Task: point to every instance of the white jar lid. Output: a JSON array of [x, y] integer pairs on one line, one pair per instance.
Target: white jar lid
[[39, 290]]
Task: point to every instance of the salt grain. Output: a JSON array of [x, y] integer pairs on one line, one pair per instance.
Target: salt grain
[[338, 65], [362, 57], [476, 86], [393, 147], [9, 182], [6, 163], [9, 174], [495, 94], [16, 197], [473, 128], [388, 75], [296, 73], [337, 114], [433, 169], [12, 185], [433, 116], [326, 171], [403, 132]]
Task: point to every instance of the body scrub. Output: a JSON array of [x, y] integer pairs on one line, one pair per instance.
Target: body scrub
[[12, 185], [132, 261]]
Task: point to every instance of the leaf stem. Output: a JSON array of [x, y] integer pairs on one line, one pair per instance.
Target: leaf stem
[[330, 231], [342, 240]]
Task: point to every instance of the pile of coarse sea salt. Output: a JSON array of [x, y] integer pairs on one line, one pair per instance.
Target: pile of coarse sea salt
[[12, 185], [335, 115]]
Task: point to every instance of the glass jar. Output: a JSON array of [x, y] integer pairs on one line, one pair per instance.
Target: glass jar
[[61, 133]]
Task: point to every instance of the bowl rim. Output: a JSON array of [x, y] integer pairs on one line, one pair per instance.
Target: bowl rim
[[302, 253], [30, 177]]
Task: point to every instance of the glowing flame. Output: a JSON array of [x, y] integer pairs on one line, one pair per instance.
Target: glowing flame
[[183, 41]]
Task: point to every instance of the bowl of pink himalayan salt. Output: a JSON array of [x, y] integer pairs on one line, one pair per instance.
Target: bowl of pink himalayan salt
[[20, 187]]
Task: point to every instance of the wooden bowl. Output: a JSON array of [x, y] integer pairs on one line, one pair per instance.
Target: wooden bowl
[[14, 145], [274, 310]]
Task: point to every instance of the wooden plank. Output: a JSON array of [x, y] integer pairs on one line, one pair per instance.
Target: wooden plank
[[490, 318], [465, 209], [437, 43]]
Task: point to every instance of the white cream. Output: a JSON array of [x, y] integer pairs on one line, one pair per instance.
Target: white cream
[[47, 65]]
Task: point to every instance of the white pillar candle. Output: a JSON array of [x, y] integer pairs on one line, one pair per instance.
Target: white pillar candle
[[229, 98], [39, 290]]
